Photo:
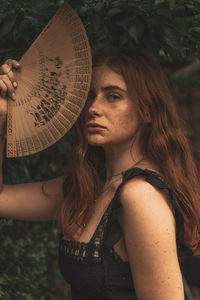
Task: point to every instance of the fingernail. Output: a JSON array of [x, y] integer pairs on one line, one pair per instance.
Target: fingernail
[[13, 96], [15, 84], [17, 64]]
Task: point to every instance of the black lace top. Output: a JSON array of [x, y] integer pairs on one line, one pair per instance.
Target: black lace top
[[94, 270]]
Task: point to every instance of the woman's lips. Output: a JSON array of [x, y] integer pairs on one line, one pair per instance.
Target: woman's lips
[[93, 129]]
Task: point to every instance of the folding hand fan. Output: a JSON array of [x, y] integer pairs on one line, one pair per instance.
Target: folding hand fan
[[52, 85]]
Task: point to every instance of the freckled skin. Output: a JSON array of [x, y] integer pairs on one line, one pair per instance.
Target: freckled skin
[[146, 214], [118, 115]]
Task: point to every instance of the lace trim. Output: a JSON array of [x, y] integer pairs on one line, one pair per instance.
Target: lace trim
[[81, 251]]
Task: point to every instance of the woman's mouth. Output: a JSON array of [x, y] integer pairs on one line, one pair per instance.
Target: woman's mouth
[[94, 127]]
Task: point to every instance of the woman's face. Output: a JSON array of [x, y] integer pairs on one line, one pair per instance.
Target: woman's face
[[111, 118]]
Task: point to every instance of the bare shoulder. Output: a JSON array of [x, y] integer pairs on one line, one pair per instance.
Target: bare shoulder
[[140, 198], [138, 191], [150, 238]]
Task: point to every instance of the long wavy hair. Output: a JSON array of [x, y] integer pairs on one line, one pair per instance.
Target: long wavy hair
[[162, 142]]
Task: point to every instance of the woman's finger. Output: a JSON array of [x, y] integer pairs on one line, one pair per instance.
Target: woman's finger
[[12, 63], [9, 85], [9, 64], [6, 70], [12, 78], [15, 64], [3, 89]]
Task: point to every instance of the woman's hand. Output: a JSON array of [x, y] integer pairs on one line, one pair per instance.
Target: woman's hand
[[8, 83]]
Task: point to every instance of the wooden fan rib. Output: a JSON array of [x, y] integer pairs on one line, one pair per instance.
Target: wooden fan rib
[[24, 133], [65, 123], [18, 128], [51, 130], [11, 149], [29, 141], [60, 116], [77, 70], [57, 35], [83, 79], [64, 15], [48, 29], [78, 63], [74, 109], [24, 95], [77, 93], [59, 126], [67, 114], [28, 137], [78, 86], [75, 100]]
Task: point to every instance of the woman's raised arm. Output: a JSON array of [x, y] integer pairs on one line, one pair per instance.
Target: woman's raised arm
[[37, 201], [29, 201]]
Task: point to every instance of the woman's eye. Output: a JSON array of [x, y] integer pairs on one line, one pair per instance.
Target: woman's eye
[[114, 97]]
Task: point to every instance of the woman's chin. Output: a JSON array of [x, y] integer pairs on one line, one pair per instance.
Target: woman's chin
[[96, 141]]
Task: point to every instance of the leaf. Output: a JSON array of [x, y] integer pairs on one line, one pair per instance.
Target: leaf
[[113, 12], [196, 17], [53, 166], [125, 21], [163, 12], [172, 40], [140, 26], [119, 3], [172, 4], [3, 282], [84, 10], [2, 51], [196, 29], [98, 7], [133, 33], [157, 2], [7, 26]]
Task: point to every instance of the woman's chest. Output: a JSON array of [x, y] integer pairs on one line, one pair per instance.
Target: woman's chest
[[93, 234]]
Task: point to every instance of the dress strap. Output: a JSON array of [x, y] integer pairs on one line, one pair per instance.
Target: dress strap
[[114, 232]]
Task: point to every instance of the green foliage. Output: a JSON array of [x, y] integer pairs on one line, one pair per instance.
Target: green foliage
[[169, 29], [20, 23], [28, 265]]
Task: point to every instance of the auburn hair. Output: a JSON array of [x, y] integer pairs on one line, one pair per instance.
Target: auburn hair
[[162, 141]]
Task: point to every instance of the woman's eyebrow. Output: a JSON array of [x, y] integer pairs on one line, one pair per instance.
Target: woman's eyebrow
[[113, 87]]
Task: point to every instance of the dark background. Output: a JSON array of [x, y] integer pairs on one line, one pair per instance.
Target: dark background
[[170, 30]]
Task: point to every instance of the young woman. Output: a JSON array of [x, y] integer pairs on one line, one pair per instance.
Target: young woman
[[128, 207]]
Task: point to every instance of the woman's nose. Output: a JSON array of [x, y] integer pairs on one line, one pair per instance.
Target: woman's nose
[[95, 107]]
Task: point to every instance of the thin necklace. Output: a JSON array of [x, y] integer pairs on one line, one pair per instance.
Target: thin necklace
[[109, 185], [110, 182], [114, 175]]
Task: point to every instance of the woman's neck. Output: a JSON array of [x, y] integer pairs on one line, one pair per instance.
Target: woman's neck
[[119, 161]]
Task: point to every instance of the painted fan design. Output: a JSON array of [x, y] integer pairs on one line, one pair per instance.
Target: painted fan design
[[53, 85]]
